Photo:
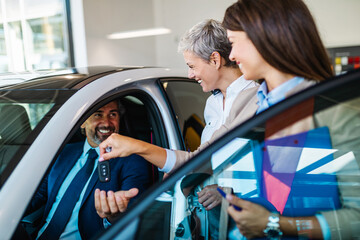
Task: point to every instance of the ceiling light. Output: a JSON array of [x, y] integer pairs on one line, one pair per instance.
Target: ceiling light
[[139, 33]]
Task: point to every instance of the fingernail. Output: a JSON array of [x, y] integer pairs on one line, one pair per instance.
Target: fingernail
[[101, 159]]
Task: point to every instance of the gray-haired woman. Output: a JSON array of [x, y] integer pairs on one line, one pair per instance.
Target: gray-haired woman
[[206, 50]]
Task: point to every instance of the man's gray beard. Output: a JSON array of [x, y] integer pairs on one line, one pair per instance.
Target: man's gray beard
[[98, 141]]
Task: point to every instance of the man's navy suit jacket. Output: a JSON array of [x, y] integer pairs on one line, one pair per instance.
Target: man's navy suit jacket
[[126, 173]]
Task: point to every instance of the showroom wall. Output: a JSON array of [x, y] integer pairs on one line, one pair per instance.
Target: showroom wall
[[108, 16], [337, 22]]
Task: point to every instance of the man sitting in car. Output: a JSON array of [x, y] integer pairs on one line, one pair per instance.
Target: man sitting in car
[[75, 208]]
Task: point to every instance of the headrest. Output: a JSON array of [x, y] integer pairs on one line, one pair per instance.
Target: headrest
[[14, 124]]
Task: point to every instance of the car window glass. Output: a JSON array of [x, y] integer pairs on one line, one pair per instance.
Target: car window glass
[[301, 162], [188, 101], [17, 121], [23, 113]]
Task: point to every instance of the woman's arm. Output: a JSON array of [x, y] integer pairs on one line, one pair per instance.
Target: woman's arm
[[123, 146]]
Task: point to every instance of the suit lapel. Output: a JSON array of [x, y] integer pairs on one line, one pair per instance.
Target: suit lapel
[[247, 107], [250, 109], [93, 181], [62, 168]]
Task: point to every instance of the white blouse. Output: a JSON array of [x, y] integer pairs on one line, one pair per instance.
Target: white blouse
[[214, 113]]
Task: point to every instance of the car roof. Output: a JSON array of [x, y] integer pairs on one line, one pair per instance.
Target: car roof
[[63, 79]]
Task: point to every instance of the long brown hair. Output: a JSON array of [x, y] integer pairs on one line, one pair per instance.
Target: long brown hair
[[284, 33]]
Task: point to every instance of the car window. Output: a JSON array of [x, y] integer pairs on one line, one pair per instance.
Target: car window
[[300, 162], [22, 114], [188, 101]]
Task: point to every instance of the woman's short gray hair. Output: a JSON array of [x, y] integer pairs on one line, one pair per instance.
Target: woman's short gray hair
[[205, 38]]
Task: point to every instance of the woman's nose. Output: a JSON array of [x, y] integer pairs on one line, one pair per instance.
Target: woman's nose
[[231, 57], [191, 74]]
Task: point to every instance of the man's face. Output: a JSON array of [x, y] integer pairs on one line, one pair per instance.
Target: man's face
[[102, 123]]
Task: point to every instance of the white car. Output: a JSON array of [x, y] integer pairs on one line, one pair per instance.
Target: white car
[[39, 116]]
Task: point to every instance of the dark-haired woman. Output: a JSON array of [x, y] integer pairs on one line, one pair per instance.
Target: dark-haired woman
[[282, 38]]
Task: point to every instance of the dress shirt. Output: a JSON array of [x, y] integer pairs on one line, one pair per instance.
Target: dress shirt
[[215, 114], [170, 161], [267, 99], [71, 230]]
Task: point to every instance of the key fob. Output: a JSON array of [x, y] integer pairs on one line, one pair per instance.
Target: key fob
[[104, 171]]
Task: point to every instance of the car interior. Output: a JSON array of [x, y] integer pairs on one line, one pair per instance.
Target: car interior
[[137, 119], [14, 128]]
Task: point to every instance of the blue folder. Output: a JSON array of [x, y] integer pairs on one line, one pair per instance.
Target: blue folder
[[309, 193]]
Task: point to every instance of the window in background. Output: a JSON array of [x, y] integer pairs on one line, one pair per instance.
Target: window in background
[[34, 35], [4, 62], [188, 101]]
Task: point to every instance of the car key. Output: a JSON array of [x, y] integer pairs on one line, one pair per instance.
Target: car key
[[104, 169]]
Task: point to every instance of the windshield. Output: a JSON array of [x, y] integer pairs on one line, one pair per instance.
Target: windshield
[[23, 113], [303, 162]]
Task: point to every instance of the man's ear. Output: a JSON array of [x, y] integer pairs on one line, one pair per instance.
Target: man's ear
[[82, 128], [216, 59]]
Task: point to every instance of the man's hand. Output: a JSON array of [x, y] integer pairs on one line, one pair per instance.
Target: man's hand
[[209, 197], [110, 205], [251, 220]]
